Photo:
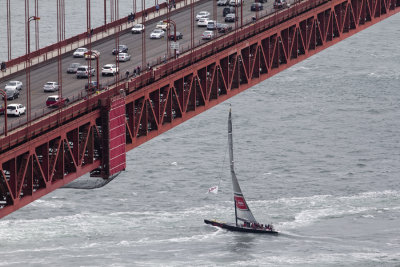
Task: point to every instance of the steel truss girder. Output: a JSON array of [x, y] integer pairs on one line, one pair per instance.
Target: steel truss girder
[[177, 98], [50, 161], [47, 162]]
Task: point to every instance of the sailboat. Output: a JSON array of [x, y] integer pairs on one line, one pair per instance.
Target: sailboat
[[244, 218]]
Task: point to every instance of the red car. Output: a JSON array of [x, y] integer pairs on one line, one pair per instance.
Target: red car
[[55, 101]]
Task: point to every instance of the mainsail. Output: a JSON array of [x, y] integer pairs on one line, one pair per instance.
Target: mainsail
[[242, 210]]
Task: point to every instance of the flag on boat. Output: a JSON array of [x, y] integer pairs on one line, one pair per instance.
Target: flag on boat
[[213, 189]]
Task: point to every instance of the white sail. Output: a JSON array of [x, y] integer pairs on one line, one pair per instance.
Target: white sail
[[242, 210]]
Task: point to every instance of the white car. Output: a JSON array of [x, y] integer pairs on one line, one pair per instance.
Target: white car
[[203, 22], [236, 2], [93, 54], [202, 14], [80, 52], [157, 34], [138, 28], [162, 25], [109, 69], [16, 109], [50, 87], [123, 57], [14, 85], [207, 35]]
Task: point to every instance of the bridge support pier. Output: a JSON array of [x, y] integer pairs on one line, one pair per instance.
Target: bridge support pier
[[113, 137]]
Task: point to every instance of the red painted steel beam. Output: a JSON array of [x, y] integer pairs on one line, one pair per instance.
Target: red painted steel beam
[[159, 100]]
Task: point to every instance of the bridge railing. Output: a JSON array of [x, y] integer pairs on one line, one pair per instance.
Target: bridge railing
[[86, 103]]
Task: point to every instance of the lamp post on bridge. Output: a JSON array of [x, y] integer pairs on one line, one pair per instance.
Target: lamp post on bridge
[[173, 23], [5, 110], [97, 58], [28, 74]]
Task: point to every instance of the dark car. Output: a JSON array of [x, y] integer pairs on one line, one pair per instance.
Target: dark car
[[179, 35], [230, 18], [73, 67], [11, 94], [256, 7], [223, 28], [228, 10], [93, 86], [262, 1], [121, 49], [278, 4]]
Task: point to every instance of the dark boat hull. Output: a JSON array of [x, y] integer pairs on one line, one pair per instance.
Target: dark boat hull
[[232, 227]]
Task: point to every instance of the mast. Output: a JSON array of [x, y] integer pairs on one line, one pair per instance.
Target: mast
[[230, 141], [242, 210], [234, 202]]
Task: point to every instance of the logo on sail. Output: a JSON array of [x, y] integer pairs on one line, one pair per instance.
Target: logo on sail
[[240, 203]]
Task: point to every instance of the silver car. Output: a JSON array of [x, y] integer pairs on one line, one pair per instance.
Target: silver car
[[80, 52], [50, 87], [123, 57], [157, 34], [14, 85], [83, 71]]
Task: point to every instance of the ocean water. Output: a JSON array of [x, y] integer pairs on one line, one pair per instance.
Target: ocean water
[[317, 153]]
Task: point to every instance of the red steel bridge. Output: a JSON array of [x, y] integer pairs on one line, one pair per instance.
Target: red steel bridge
[[93, 133]]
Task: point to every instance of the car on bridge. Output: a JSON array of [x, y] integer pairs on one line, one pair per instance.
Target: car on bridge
[[228, 10], [55, 101], [203, 15], [207, 35], [157, 34], [138, 28], [236, 2], [51, 87], [84, 71], [230, 18], [73, 67], [121, 49], [11, 93], [80, 52], [16, 109], [124, 57], [278, 4], [203, 22], [109, 69], [179, 35], [92, 86], [222, 2], [14, 85], [211, 25], [92, 54], [224, 28], [163, 25], [256, 7]]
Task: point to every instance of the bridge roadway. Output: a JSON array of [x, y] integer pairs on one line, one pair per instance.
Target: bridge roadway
[[155, 50]]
